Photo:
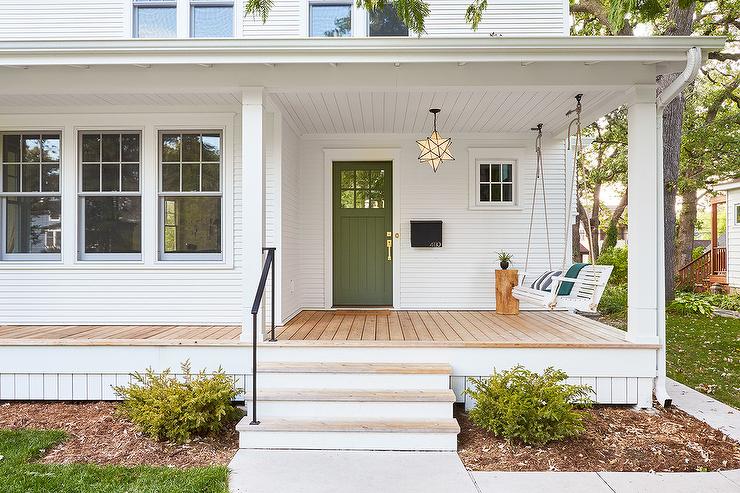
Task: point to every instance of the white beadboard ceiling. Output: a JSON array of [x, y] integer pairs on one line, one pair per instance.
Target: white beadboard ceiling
[[463, 111]]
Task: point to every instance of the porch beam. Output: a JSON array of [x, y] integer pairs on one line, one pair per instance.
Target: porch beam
[[252, 150]]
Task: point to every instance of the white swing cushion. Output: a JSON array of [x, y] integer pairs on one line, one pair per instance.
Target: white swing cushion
[[585, 295], [544, 282]]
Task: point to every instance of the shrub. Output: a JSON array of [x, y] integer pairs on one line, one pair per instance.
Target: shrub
[[618, 258], [697, 252], [166, 407], [691, 303], [723, 301], [610, 241], [535, 408], [614, 300]]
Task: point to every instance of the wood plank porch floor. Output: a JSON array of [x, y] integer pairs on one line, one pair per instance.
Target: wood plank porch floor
[[468, 328]]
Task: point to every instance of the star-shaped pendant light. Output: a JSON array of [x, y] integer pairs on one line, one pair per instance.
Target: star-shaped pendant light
[[434, 149]]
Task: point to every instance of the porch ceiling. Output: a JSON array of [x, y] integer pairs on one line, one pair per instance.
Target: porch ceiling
[[475, 110]]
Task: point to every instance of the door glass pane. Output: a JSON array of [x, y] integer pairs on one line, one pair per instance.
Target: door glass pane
[[112, 224], [33, 225], [347, 179], [156, 22], [385, 22], [347, 200], [331, 20], [362, 199], [213, 22], [192, 224], [11, 148], [31, 177], [363, 179]]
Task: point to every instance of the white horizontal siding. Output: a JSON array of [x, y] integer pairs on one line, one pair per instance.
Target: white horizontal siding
[[461, 273], [284, 20], [36, 19], [733, 240], [291, 240]]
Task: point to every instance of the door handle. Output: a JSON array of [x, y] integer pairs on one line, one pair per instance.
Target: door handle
[[389, 244]]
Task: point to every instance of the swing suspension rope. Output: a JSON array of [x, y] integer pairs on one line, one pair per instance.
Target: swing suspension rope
[[539, 178]]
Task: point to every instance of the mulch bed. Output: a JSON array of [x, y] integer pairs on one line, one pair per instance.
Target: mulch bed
[[616, 439], [99, 435]]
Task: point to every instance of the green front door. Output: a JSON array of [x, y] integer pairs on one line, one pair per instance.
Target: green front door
[[363, 219]]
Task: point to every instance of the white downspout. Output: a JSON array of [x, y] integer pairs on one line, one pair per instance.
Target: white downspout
[[693, 64]]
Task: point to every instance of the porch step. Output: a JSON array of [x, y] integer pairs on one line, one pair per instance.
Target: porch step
[[349, 434], [359, 406], [367, 376], [337, 403]]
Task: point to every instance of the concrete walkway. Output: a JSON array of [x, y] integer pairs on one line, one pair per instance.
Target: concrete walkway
[[711, 411]]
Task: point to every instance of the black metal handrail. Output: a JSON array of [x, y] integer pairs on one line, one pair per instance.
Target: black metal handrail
[[269, 265]]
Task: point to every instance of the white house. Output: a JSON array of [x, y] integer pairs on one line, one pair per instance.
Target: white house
[[732, 232], [143, 178]]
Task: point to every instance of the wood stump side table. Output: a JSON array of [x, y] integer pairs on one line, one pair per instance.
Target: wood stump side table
[[506, 304]]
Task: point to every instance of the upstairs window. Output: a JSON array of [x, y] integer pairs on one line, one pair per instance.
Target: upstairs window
[[155, 18], [385, 22], [190, 195], [30, 198], [211, 19], [331, 20]]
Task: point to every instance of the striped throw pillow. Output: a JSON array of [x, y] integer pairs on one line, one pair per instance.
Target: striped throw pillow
[[544, 282]]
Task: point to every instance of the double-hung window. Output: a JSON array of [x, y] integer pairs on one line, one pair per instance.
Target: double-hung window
[[155, 18], [190, 198], [110, 195], [385, 22], [330, 19], [30, 198], [211, 18]]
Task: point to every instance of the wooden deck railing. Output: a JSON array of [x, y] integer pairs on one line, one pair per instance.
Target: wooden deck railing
[[697, 272]]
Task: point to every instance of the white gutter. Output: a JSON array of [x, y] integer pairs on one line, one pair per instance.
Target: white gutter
[[693, 64]]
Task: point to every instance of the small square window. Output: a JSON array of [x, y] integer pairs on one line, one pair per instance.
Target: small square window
[[495, 183], [385, 22], [211, 19], [330, 20]]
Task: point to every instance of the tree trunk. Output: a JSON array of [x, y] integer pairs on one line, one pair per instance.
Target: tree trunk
[[686, 225], [680, 23], [576, 242]]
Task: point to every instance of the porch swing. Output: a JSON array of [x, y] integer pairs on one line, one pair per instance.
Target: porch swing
[[583, 284]]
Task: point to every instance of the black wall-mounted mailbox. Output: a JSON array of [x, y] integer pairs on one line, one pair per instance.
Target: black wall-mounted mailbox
[[426, 233]]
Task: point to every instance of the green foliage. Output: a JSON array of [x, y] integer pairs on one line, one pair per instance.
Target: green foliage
[[169, 408], [697, 252], [611, 236], [474, 13], [259, 8], [519, 404], [614, 300], [505, 256], [20, 474], [686, 303], [616, 257]]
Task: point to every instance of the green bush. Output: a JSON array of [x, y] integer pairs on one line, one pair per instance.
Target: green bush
[[697, 252], [685, 303], [519, 404], [610, 241], [166, 407], [618, 258], [724, 301], [614, 300]]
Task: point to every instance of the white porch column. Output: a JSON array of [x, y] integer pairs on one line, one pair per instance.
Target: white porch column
[[644, 183], [252, 200]]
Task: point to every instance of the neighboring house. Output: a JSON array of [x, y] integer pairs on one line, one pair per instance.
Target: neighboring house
[[165, 167], [732, 236], [710, 270]]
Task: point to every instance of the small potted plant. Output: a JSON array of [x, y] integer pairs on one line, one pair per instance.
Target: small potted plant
[[504, 259]]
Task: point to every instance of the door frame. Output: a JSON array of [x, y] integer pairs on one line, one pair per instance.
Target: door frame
[[382, 154]]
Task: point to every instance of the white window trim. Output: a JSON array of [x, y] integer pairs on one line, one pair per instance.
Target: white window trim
[[478, 155], [225, 216], [29, 257], [106, 257]]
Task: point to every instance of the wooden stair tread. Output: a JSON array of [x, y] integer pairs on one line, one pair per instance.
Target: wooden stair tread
[[354, 395], [318, 367], [351, 425]]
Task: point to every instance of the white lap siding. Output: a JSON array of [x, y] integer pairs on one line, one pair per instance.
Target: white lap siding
[[733, 240], [461, 273], [150, 292], [37, 19]]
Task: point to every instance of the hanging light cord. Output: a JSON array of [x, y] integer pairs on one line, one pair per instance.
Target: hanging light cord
[[540, 176]]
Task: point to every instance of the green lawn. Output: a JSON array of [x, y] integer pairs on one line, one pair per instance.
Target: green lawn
[[19, 473], [704, 353]]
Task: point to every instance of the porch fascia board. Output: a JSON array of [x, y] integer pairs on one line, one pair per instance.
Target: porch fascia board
[[353, 50]]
